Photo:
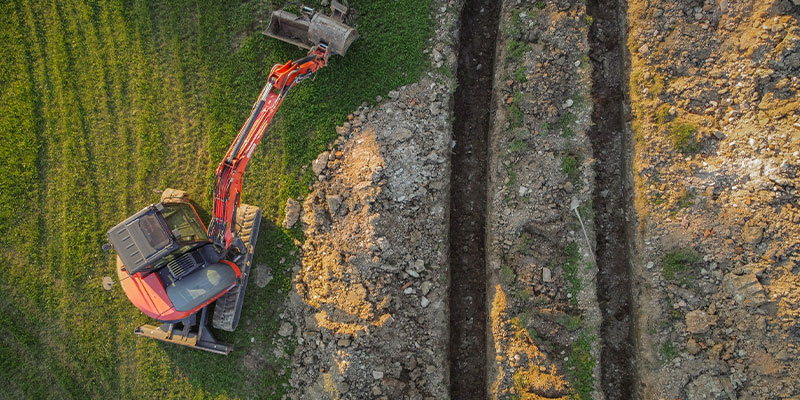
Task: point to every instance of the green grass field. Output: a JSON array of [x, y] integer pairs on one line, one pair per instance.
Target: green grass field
[[105, 101]]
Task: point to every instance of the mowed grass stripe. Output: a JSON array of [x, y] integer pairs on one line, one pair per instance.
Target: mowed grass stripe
[[25, 366], [77, 252]]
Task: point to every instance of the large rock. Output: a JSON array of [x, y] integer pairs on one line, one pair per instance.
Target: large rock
[[745, 289], [320, 163], [698, 322], [708, 387], [292, 211]]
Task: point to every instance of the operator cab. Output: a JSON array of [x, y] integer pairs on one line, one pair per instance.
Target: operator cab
[[157, 235], [168, 241]]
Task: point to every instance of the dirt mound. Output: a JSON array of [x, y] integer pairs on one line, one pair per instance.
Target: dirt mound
[[371, 293]]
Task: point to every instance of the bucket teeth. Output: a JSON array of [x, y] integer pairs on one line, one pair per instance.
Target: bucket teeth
[[313, 28]]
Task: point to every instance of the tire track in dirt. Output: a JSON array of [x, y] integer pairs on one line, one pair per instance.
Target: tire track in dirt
[[472, 99], [612, 196]]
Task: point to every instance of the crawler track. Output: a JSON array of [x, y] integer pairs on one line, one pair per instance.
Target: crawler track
[[478, 34], [613, 195]]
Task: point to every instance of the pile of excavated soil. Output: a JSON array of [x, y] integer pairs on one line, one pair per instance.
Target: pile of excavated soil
[[371, 294], [543, 308], [369, 303], [717, 126]]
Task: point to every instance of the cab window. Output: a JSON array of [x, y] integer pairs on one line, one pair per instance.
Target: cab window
[[183, 223]]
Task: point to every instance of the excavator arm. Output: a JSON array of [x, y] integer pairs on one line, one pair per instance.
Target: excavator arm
[[228, 184]]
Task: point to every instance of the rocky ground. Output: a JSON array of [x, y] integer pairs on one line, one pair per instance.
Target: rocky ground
[[369, 303], [542, 300], [714, 89], [716, 131]]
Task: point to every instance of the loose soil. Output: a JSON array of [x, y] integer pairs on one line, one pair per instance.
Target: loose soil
[[612, 194], [478, 32]]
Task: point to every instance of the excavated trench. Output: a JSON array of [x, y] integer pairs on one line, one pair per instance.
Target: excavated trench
[[613, 195], [472, 104]]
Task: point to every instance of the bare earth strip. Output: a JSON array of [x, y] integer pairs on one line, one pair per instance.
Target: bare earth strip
[[714, 89]]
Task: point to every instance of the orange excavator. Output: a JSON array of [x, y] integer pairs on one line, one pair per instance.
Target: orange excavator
[[169, 265]]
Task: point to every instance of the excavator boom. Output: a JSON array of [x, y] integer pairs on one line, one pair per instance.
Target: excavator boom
[[228, 186]]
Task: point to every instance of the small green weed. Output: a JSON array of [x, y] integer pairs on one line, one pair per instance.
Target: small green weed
[[569, 166], [521, 74], [667, 351], [566, 122], [507, 275], [512, 176], [662, 114], [514, 29], [683, 137], [525, 242], [679, 266], [580, 366], [516, 117], [540, 4], [518, 146], [515, 50], [685, 198]]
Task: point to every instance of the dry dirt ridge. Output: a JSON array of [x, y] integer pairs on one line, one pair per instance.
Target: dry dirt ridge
[[714, 87], [369, 301]]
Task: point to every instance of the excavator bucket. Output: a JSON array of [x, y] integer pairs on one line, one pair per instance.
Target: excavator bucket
[[312, 28]]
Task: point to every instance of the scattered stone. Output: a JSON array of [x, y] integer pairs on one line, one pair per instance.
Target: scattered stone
[[752, 234], [263, 275], [377, 374], [547, 276], [320, 163], [745, 289], [334, 202], [292, 211], [286, 329], [692, 347], [425, 288], [698, 322]]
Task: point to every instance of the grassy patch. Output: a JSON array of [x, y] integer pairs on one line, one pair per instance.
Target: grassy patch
[[521, 74], [580, 366], [682, 135], [515, 50], [679, 266], [571, 322], [667, 351], [569, 166]]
